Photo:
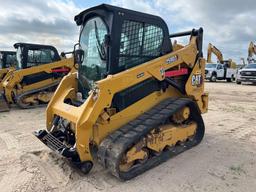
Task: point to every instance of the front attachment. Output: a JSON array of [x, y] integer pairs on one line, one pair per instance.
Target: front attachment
[[4, 106], [56, 142]]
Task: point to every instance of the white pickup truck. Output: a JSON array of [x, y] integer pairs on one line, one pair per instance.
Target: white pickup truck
[[218, 71], [247, 74]]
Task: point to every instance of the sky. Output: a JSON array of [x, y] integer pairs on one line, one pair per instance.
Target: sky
[[228, 24]]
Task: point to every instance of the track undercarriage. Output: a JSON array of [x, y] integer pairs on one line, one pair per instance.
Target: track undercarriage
[[151, 139], [36, 97], [169, 128], [29, 99]]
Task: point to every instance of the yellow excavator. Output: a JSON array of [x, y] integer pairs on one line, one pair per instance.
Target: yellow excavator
[[7, 63], [135, 101], [214, 50], [38, 72], [251, 53]]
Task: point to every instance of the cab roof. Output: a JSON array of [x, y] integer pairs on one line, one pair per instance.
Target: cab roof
[[33, 46], [117, 11], [8, 52]]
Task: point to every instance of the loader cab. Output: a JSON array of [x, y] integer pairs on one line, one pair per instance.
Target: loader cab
[[114, 39], [7, 59], [30, 55]]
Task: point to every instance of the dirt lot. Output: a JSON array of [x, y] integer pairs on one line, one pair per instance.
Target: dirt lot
[[224, 161]]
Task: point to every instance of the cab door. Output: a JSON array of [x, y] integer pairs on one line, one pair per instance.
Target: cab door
[[220, 71]]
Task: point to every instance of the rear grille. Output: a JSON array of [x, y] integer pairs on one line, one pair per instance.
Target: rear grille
[[248, 73]]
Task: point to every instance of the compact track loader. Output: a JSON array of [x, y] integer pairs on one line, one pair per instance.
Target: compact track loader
[[37, 75], [135, 101]]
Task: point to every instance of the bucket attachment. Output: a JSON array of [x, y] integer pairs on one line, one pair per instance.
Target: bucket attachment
[[4, 106]]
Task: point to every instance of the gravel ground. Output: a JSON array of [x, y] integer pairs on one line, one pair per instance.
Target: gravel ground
[[224, 161]]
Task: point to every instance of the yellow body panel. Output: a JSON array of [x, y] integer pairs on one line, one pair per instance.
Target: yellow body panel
[[91, 122], [169, 135], [102, 129]]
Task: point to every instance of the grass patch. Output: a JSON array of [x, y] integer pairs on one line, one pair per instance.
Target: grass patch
[[237, 169]]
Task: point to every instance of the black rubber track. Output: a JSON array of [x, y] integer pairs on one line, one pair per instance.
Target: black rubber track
[[114, 146]]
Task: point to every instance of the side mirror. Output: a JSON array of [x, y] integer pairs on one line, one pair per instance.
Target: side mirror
[[62, 54], [79, 56]]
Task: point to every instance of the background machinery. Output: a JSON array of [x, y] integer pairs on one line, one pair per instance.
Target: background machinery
[[251, 53], [223, 70], [7, 62], [135, 101], [38, 73]]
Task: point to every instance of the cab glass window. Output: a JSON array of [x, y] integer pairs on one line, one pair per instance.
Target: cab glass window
[[92, 42], [219, 67], [140, 42], [38, 57], [10, 60]]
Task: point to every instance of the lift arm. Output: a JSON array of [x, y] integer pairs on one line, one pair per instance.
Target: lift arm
[[251, 52], [214, 50]]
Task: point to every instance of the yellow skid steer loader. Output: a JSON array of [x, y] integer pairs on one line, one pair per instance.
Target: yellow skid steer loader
[[135, 101], [39, 71]]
